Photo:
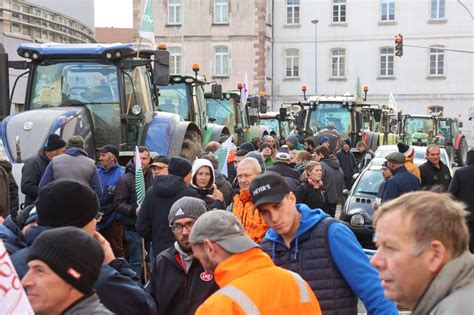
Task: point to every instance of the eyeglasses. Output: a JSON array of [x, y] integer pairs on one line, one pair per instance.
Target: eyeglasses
[[178, 228], [99, 216]]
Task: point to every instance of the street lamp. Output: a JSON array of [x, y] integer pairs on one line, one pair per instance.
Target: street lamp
[[315, 22]]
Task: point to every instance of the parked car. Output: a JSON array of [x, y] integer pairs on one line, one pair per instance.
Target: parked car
[[358, 210]]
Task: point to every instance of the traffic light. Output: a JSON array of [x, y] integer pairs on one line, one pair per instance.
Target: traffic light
[[399, 45]]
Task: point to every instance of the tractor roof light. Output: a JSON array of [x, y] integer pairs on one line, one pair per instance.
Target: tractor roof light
[[304, 88], [196, 67], [177, 79], [189, 80], [162, 46], [240, 85], [118, 54], [136, 110], [366, 88], [261, 94], [34, 55], [108, 55], [26, 54]]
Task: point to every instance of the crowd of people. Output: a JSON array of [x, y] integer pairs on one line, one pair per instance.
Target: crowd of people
[[262, 237]]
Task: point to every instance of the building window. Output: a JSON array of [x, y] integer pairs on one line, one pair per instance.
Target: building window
[[221, 11], [338, 60], [175, 60], [436, 61], [221, 61], [435, 109], [386, 62], [437, 9], [292, 63], [292, 11], [387, 10], [339, 11], [174, 11]]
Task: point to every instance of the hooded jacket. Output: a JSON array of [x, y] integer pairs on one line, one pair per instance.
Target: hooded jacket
[[251, 284], [75, 165], [31, 174], [242, 207], [118, 287], [125, 199], [336, 271], [109, 180], [333, 179], [451, 292], [462, 184], [8, 191], [290, 175], [206, 191], [11, 236], [152, 221]]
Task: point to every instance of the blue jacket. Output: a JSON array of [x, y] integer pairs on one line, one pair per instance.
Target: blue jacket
[[118, 287], [347, 255], [401, 182], [11, 236], [109, 180], [49, 176]]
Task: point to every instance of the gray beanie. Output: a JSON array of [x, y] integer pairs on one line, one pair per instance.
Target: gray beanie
[[258, 156], [186, 207]]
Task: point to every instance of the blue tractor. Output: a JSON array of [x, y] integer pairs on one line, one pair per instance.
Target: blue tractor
[[107, 93]]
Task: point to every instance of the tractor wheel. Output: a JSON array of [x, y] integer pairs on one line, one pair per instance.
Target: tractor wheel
[[461, 152], [191, 148]]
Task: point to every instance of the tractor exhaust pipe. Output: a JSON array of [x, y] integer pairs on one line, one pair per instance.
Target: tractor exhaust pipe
[[4, 84]]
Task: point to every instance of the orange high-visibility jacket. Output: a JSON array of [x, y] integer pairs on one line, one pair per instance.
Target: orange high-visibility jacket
[[251, 284], [242, 208]]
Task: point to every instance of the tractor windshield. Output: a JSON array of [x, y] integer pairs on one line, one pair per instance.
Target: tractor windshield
[[174, 98], [221, 111], [419, 125], [332, 116], [270, 124]]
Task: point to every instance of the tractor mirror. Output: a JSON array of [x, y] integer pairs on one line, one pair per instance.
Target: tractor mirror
[[216, 90], [263, 105], [253, 102], [460, 124], [282, 113], [161, 68], [377, 115]]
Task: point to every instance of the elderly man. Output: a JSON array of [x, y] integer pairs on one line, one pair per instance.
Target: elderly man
[[402, 180], [319, 248], [422, 254], [172, 295], [433, 172], [284, 166], [58, 281], [249, 281], [75, 165], [242, 206], [34, 167]]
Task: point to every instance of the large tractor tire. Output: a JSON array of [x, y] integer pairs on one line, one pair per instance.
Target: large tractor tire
[[461, 152], [186, 141]]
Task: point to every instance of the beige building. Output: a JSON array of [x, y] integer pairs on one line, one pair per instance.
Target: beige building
[[227, 38]]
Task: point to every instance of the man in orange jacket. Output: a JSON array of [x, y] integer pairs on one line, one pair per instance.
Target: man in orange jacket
[[249, 281]]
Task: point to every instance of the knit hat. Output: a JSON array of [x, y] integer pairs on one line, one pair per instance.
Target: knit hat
[[347, 141], [59, 249], [293, 139], [179, 166], [323, 139], [66, 203], [75, 142], [258, 156], [408, 150], [224, 228], [247, 146], [186, 207], [54, 142]]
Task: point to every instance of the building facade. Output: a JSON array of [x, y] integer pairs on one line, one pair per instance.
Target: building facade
[[355, 39], [229, 39]]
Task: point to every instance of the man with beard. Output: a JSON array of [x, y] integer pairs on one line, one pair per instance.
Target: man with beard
[[171, 293]]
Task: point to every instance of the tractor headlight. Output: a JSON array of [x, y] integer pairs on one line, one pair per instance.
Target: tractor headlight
[[357, 220], [136, 110]]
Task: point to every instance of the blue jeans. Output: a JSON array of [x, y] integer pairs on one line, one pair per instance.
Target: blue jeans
[[134, 242]]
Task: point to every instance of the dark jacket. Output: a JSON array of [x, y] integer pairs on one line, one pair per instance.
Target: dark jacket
[[462, 185], [31, 174], [11, 236], [75, 165], [88, 304], [174, 290], [365, 159], [313, 198], [290, 175], [333, 179], [432, 176], [348, 163], [152, 221], [334, 264], [401, 182], [8, 191], [109, 180], [118, 287], [225, 187], [125, 200]]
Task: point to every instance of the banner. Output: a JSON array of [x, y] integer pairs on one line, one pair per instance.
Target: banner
[[139, 179], [222, 154], [146, 31]]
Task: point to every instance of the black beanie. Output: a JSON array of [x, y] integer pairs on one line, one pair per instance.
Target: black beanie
[[179, 166], [75, 256], [54, 142], [66, 203], [247, 146]]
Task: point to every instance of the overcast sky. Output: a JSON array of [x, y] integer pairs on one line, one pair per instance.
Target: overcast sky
[[117, 13]]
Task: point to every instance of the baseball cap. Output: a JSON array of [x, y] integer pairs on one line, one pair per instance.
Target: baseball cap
[[160, 161], [269, 187], [224, 228], [109, 148]]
